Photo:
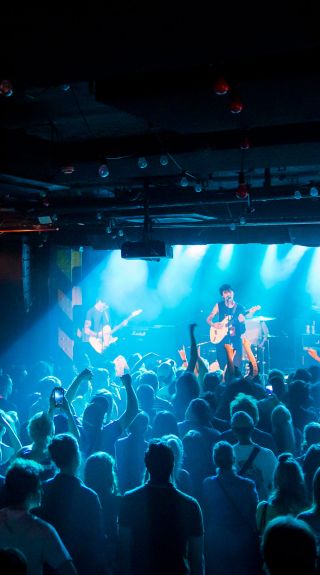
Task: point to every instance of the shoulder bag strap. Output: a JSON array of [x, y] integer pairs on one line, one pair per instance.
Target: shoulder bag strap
[[250, 460], [234, 505]]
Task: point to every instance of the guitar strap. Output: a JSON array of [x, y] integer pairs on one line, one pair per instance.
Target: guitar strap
[[231, 316]]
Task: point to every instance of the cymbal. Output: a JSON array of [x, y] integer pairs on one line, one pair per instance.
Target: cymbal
[[260, 318]]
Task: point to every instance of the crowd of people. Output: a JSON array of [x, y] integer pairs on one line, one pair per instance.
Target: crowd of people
[[145, 466]]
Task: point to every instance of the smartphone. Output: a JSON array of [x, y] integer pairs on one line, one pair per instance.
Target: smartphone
[[58, 395], [269, 389]]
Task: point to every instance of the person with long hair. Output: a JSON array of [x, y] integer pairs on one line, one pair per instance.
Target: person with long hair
[[181, 476], [312, 515], [283, 431], [100, 475], [309, 466], [289, 495]]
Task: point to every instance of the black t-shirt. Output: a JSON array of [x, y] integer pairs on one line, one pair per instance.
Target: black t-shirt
[[161, 519], [236, 328]]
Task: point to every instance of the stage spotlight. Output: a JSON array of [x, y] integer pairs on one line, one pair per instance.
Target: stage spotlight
[[104, 171], [164, 160], [184, 182], [314, 192], [142, 163]]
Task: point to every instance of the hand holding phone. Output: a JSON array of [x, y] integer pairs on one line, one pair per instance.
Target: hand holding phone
[[58, 396]]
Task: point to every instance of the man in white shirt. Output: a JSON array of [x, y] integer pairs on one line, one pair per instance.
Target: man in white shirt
[[252, 460], [19, 529]]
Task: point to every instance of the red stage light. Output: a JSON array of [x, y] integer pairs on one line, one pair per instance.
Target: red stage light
[[236, 106], [221, 86], [242, 191]]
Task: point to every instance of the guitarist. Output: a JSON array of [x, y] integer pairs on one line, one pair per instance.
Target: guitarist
[[228, 308], [96, 325]]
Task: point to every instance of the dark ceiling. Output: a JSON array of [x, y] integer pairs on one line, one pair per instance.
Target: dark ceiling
[[106, 88]]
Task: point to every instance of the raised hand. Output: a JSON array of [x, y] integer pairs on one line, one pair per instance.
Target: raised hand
[[86, 373], [126, 379]]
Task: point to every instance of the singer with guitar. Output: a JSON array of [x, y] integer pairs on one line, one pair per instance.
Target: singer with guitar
[[226, 332]]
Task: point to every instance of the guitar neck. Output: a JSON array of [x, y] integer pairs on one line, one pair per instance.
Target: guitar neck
[[116, 327]]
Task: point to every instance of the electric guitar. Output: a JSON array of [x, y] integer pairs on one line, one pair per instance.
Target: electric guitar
[[103, 339], [220, 330]]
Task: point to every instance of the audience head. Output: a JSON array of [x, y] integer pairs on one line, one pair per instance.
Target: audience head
[[276, 373], [159, 460], [198, 411], [211, 380], [280, 416], [40, 428], [298, 393], [145, 395], [47, 384], [164, 423], [311, 434], [302, 374], [278, 386], [289, 484], [223, 455], [139, 424], [242, 425], [166, 373], [247, 403], [195, 450], [97, 410], [12, 562], [103, 401], [100, 474], [23, 483], [64, 452], [289, 546], [177, 447], [149, 378]]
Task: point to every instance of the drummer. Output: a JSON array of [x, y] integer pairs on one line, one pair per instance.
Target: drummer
[[257, 332]]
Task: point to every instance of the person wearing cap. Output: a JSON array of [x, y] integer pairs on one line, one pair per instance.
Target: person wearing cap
[[229, 503], [252, 460], [227, 307]]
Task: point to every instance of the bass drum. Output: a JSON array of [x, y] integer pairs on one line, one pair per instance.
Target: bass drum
[[256, 330]]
